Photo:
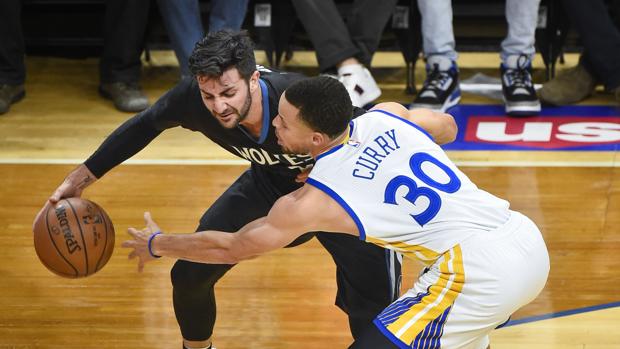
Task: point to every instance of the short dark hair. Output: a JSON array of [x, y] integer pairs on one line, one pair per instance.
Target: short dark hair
[[222, 50], [323, 102]]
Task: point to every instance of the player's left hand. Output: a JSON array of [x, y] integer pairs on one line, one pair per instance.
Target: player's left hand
[[140, 242]]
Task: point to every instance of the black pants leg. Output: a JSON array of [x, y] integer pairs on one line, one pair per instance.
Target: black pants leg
[[334, 40], [193, 294], [601, 39], [123, 41], [368, 278], [12, 68], [366, 23], [327, 31]]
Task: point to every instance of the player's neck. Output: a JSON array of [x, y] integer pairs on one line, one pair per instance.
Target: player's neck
[[327, 146], [253, 123]]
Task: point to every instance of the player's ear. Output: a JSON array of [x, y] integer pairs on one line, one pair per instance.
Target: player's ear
[[254, 80], [319, 138]]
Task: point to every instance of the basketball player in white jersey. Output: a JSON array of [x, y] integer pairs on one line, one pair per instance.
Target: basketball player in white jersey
[[384, 178]]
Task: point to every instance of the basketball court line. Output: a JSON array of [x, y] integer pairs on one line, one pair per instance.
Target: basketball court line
[[562, 314]]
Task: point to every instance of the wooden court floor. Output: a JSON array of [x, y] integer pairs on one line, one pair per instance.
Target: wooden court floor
[[281, 300]]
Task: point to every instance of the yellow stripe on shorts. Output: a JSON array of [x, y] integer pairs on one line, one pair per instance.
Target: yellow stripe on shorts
[[421, 253], [441, 295]]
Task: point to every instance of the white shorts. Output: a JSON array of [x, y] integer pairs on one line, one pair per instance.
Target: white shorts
[[470, 290]]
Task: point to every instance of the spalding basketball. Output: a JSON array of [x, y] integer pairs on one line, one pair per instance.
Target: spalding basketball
[[75, 238]]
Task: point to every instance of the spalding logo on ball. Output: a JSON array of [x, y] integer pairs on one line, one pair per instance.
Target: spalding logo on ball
[[75, 238]]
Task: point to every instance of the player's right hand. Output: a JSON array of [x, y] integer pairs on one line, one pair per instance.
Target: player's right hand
[[74, 184]]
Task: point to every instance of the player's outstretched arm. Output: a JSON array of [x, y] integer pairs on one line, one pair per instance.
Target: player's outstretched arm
[[307, 209], [285, 222], [440, 126]]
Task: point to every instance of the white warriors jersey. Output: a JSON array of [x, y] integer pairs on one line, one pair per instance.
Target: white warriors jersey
[[402, 190]]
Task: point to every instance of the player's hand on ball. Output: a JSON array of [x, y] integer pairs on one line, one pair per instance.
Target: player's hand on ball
[[74, 184], [140, 241], [71, 187]]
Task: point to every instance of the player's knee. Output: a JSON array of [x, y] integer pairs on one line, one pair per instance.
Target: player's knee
[[196, 276]]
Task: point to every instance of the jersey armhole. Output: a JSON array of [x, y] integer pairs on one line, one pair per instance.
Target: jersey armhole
[[327, 190]]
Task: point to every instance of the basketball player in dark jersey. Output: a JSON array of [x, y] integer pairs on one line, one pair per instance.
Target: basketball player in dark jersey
[[233, 103]]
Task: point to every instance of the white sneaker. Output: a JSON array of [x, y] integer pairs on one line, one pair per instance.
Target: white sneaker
[[359, 82]]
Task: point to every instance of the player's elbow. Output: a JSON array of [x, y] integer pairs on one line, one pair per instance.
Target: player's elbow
[[230, 259], [221, 256], [232, 252], [451, 128], [447, 130]]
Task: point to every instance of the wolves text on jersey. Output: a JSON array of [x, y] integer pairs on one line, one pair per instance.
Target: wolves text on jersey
[[262, 157], [373, 154]]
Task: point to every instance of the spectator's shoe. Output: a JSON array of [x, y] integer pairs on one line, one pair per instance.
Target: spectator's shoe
[[10, 94], [570, 86], [359, 83], [441, 87], [519, 93], [127, 97]]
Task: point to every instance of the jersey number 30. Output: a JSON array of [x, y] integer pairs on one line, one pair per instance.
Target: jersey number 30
[[434, 200]]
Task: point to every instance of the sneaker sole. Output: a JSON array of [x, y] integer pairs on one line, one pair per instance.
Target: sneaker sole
[[522, 109], [450, 102]]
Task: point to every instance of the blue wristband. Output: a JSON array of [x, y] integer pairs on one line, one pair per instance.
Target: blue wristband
[[151, 243]]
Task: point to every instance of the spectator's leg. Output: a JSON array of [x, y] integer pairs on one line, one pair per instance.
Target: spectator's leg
[[517, 53], [123, 42], [440, 90], [184, 26], [437, 31], [521, 16], [600, 37], [327, 31], [12, 69], [227, 14], [366, 22]]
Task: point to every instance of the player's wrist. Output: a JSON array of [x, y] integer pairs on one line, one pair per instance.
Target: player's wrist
[[152, 246]]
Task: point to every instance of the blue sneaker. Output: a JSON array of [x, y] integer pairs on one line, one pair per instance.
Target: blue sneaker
[[441, 87], [519, 94]]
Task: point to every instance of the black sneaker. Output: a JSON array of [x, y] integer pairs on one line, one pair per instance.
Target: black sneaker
[[519, 93], [127, 97], [10, 94], [440, 90]]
